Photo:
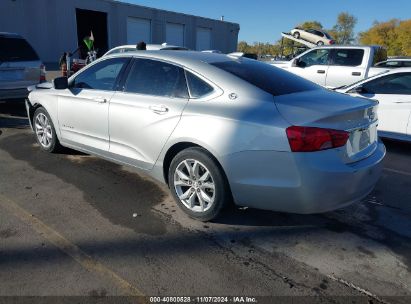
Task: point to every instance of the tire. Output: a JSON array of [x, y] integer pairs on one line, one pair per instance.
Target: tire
[[320, 43], [296, 35], [206, 195], [48, 141]]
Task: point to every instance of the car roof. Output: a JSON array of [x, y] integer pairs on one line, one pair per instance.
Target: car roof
[[10, 35], [180, 57], [386, 71], [399, 70], [319, 30], [337, 46], [397, 59], [149, 47]]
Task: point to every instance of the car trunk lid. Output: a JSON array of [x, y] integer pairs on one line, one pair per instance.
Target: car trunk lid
[[330, 110]]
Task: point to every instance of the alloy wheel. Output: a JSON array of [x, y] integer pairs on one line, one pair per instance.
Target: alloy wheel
[[43, 130], [194, 185]]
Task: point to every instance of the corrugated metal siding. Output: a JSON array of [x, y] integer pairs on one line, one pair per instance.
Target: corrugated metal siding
[[50, 25]]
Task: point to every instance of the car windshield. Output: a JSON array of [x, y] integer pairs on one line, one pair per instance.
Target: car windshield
[[266, 77], [16, 49]]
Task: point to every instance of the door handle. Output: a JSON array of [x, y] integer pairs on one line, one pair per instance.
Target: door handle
[[321, 71], [100, 99], [356, 73], [159, 109]]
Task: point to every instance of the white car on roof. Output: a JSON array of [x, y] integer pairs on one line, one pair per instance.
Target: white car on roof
[[149, 47], [317, 37], [393, 91]]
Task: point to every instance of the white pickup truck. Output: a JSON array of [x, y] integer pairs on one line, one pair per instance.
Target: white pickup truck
[[335, 66]]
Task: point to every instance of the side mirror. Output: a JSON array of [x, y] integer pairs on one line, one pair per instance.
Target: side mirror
[[295, 62], [60, 83], [359, 90], [298, 63]]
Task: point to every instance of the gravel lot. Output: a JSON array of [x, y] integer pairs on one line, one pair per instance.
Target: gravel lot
[[72, 224]]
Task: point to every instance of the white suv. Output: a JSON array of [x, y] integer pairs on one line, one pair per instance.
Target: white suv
[[20, 66]]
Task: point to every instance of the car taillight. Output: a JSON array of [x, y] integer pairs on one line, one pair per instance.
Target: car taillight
[[332, 42], [42, 73], [310, 139]]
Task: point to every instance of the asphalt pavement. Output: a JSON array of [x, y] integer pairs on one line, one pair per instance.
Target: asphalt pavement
[[75, 225]]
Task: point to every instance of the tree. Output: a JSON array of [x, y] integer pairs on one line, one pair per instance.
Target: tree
[[243, 47], [404, 37], [393, 34], [311, 25], [343, 31]]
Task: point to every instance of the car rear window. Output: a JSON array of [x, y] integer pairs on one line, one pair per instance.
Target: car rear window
[[16, 49], [266, 77]]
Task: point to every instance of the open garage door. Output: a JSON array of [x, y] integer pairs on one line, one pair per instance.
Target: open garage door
[[138, 29], [203, 39], [92, 21], [175, 34]]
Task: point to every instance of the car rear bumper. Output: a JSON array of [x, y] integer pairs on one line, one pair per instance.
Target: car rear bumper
[[13, 93], [301, 182]]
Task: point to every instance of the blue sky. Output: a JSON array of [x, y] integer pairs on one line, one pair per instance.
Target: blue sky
[[263, 20]]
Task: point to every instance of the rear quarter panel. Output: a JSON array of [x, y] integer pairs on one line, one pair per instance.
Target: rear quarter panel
[[225, 127]]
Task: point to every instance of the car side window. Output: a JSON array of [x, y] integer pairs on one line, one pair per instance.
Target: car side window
[[347, 57], [198, 87], [391, 84], [157, 78], [100, 76], [318, 33], [315, 57], [406, 64]]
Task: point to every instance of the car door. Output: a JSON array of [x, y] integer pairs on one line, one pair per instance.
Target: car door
[[317, 36], [83, 107], [394, 95], [145, 113], [346, 67], [312, 65], [312, 36]]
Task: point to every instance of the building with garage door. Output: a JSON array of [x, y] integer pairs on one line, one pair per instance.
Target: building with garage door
[[55, 26]]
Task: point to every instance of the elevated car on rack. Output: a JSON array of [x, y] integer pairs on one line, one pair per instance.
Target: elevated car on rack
[[318, 37]]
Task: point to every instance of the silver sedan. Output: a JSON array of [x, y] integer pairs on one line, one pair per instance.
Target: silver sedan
[[217, 129]]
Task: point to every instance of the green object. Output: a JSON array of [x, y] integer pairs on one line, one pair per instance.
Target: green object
[[89, 41]]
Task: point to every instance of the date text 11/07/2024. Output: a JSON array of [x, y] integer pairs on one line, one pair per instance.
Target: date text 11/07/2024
[[240, 299]]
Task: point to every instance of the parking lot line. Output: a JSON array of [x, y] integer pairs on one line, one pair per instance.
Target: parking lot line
[[397, 171], [67, 247]]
